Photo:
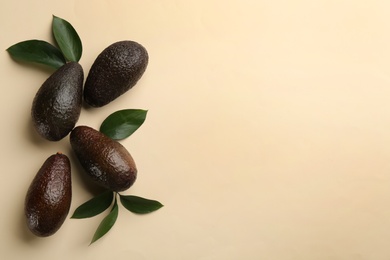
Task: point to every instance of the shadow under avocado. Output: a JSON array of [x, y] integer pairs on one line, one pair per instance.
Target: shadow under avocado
[[25, 234], [80, 176], [33, 135]]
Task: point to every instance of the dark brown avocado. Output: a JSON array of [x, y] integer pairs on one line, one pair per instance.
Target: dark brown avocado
[[105, 160], [116, 70], [49, 196], [57, 105]]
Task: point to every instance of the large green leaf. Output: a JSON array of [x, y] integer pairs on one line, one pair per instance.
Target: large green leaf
[[139, 205], [94, 206], [37, 51], [106, 223], [67, 39], [123, 123]]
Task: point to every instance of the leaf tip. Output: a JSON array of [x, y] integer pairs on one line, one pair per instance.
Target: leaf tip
[[92, 241]]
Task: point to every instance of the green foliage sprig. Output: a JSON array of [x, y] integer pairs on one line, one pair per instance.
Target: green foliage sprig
[[123, 123], [103, 201], [38, 51]]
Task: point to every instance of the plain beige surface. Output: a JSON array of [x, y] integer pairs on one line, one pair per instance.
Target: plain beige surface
[[267, 136]]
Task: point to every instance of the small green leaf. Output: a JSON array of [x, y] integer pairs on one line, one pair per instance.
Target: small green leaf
[[38, 52], [67, 39], [139, 205], [94, 206], [106, 223], [123, 123]]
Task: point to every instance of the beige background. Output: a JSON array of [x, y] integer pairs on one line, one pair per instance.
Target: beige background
[[267, 137]]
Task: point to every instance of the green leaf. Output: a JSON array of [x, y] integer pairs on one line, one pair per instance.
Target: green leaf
[[123, 123], [139, 205], [67, 39], [106, 223], [94, 206], [38, 52]]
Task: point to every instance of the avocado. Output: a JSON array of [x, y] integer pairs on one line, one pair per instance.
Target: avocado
[[57, 105], [49, 196], [105, 160], [116, 70]]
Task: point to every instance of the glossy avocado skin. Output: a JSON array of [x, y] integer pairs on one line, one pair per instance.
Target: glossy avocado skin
[[115, 71], [57, 105], [49, 196], [105, 160]]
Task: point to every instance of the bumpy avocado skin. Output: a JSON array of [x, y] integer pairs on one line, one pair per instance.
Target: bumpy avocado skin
[[116, 70], [49, 196], [57, 105], [105, 160]]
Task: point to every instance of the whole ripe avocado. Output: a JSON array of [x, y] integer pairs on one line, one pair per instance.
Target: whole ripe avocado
[[57, 105], [105, 160], [49, 196], [116, 70]]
